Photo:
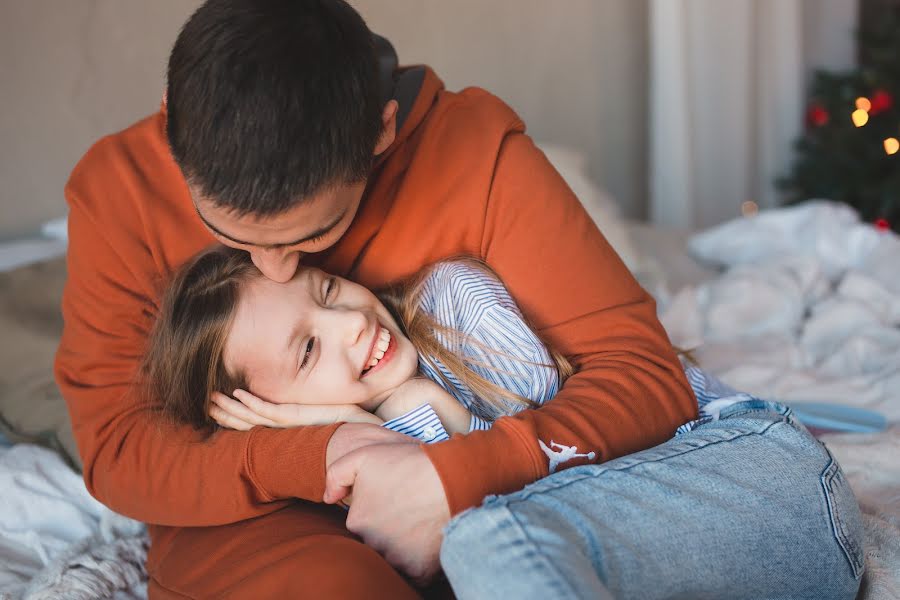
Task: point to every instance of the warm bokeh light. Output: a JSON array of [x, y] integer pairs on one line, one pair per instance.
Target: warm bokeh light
[[749, 208], [891, 145], [863, 103], [860, 117]]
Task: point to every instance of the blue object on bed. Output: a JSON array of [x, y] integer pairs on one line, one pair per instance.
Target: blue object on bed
[[838, 417]]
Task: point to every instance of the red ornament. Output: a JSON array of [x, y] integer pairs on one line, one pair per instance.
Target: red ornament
[[816, 115], [881, 101], [882, 224]]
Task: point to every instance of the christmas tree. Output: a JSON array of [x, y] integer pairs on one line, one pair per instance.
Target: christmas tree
[[850, 150]]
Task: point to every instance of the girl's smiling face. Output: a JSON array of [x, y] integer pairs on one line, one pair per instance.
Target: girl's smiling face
[[317, 339]]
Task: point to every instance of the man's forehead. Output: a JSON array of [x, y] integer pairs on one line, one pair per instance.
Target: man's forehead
[[298, 224]]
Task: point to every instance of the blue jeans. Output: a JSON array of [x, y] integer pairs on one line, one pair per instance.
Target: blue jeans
[[748, 506]]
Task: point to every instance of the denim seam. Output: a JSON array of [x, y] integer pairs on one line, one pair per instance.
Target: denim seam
[[535, 550], [528, 493], [850, 549]]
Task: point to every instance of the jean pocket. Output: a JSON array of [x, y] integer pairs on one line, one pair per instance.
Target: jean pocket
[[843, 509]]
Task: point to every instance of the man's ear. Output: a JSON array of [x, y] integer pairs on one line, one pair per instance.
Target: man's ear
[[388, 127]]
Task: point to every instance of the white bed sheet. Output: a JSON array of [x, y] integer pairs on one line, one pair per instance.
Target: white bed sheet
[[19, 253], [56, 541]]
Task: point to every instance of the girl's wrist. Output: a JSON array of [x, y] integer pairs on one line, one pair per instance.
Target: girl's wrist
[[357, 414]]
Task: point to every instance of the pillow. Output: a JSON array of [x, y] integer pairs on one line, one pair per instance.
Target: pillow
[[601, 207], [31, 406]]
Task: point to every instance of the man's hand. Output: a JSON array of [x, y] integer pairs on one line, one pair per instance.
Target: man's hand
[[399, 506], [245, 411], [350, 437]]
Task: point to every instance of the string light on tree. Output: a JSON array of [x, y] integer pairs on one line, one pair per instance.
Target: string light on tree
[[860, 117], [816, 116], [863, 103], [749, 208], [891, 145], [882, 101]]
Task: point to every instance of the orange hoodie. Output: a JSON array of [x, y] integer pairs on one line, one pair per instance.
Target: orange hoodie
[[461, 178]]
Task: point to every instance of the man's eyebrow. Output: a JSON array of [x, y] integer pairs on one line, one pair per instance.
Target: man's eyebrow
[[315, 234]]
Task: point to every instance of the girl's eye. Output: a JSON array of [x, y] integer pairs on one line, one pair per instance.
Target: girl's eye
[[329, 287], [309, 348]]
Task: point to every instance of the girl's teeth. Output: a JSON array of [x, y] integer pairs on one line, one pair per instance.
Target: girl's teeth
[[381, 346]]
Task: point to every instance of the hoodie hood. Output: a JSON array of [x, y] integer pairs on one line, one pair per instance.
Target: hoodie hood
[[415, 90]]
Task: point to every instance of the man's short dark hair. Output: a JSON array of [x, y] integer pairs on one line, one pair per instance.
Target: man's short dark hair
[[272, 101]]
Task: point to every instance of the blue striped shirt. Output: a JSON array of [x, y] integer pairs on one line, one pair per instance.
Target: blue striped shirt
[[493, 332]]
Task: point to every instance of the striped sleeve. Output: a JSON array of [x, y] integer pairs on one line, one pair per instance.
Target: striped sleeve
[[421, 423], [496, 342]]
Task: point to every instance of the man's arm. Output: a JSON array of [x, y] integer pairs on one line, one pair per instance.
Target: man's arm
[[134, 461], [629, 393]]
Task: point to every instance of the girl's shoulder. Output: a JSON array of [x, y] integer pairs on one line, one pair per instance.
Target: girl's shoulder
[[464, 287], [470, 299]]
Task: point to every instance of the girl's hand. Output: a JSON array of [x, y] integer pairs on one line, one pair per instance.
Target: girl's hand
[[245, 411], [421, 390], [410, 395]]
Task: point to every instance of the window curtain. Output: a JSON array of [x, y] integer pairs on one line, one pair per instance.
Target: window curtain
[[727, 96]]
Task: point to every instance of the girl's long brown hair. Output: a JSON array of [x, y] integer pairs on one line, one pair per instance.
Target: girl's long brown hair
[[184, 365]]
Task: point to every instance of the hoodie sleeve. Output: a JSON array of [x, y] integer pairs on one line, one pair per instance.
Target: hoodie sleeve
[[135, 462], [629, 392]]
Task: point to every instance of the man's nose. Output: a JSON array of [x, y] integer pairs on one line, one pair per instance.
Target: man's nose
[[276, 264]]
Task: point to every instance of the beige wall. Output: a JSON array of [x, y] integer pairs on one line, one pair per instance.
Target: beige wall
[[574, 70], [74, 70]]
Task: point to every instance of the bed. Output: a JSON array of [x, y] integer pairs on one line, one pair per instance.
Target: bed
[[760, 340]]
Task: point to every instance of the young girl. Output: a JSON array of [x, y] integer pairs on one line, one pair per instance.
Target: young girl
[[744, 489], [321, 349]]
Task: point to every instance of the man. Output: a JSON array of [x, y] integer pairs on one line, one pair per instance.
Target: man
[[278, 138]]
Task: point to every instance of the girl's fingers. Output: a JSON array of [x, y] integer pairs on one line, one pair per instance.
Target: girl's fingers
[[228, 421], [264, 409], [239, 411], [255, 410]]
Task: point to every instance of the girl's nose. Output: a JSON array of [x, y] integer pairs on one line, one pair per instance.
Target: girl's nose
[[356, 326]]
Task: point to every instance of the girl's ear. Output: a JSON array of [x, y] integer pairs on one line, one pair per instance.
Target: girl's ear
[[388, 127]]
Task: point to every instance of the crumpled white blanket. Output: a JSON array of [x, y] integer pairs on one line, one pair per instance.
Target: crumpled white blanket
[[56, 541], [807, 308]]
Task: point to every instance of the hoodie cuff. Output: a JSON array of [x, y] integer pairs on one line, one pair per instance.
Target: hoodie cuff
[[501, 460], [289, 463]]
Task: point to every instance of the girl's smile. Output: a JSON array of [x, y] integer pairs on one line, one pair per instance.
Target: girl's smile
[[317, 339], [383, 348]]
